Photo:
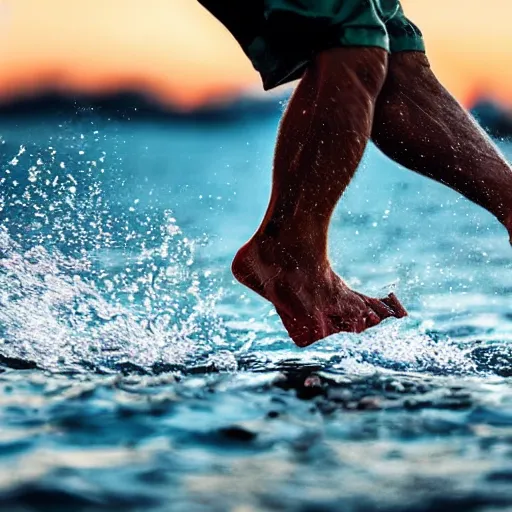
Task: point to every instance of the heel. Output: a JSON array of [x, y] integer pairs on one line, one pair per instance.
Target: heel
[[242, 268]]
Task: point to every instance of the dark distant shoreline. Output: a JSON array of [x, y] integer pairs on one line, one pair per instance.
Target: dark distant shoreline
[[494, 118], [134, 106]]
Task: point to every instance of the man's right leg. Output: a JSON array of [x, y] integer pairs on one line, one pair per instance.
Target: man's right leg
[[421, 126], [322, 138]]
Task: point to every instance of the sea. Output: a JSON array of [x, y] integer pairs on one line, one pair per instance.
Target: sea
[[136, 374]]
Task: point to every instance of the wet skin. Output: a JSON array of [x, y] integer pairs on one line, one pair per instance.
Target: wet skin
[[347, 97]]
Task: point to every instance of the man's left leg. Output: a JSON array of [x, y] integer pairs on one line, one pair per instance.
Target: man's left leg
[[421, 126]]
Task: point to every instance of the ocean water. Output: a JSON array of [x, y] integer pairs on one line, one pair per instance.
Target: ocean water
[[136, 374]]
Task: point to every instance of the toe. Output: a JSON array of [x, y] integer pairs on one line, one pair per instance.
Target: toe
[[379, 307], [394, 304], [386, 307], [359, 321], [372, 319]]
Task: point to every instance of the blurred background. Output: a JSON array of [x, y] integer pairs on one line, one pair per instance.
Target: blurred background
[[136, 150], [176, 52], [120, 118]]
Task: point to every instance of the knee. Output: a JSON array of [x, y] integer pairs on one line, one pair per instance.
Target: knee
[[353, 68]]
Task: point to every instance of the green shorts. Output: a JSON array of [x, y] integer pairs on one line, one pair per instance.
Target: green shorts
[[280, 37]]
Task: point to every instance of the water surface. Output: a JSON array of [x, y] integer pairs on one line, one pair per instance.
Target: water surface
[[137, 374]]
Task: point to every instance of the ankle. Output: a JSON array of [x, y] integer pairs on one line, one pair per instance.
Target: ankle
[[308, 230], [292, 250]]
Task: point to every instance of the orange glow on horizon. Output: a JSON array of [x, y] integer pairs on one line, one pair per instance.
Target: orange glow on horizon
[[179, 52]]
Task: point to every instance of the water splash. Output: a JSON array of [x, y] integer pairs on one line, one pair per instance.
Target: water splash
[[395, 345], [60, 314], [96, 273], [88, 283]]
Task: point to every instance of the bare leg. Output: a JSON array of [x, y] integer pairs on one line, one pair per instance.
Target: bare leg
[[321, 141], [421, 126]]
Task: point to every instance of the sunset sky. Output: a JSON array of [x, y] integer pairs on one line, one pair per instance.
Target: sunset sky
[[178, 51]]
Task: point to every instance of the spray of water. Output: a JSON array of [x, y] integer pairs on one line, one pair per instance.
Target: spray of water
[[91, 280], [89, 283]]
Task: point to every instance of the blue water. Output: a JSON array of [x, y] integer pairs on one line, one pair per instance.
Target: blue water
[[138, 375]]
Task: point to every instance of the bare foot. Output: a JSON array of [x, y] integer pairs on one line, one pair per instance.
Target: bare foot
[[312, 301]]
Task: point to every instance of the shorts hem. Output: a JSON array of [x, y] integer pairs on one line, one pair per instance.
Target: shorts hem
[[283, 73], [407, 44]]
